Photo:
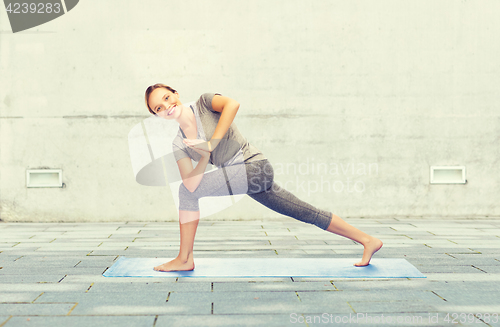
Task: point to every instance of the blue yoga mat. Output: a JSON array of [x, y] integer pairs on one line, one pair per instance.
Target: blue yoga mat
[[268, 267]]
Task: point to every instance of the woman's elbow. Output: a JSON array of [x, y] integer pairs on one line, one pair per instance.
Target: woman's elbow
[[185, 190], [232, 104], [236, 104], [191, 188]]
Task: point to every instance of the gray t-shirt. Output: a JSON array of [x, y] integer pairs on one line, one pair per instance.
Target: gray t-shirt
[[232, 146]]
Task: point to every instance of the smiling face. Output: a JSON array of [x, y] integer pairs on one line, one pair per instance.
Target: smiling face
[[165, 103]]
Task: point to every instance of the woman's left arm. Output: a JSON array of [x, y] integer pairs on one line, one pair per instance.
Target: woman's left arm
[[228, 109]]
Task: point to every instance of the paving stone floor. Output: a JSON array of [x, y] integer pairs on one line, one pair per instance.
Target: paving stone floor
[[51, 275]]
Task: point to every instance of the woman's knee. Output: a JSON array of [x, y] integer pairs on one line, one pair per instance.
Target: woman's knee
[[187, 200], [184, 192]]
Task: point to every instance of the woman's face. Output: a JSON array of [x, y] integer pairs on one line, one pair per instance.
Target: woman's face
[[165, 103]]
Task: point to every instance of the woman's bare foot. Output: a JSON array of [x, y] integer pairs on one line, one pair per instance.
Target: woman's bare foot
[[371, 246], [176, 265]]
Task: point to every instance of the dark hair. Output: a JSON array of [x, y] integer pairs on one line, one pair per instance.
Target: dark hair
[[150, 90]]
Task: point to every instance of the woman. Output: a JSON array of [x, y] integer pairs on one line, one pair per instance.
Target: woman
[[215, 113]]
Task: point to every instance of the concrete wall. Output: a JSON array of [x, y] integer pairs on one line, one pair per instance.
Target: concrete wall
[[400, 85]]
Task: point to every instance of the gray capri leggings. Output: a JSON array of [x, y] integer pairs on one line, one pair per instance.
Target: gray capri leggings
[[256, 180]]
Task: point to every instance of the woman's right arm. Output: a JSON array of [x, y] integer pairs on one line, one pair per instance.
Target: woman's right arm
[[192, 177]]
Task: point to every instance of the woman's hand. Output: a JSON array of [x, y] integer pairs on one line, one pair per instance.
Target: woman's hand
[[200, 146]]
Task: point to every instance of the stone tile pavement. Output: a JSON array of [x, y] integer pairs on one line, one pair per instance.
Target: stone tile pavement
[[51, 275]]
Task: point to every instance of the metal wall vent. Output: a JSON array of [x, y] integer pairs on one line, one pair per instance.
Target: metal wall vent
[[448, 175], [44, 178]]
